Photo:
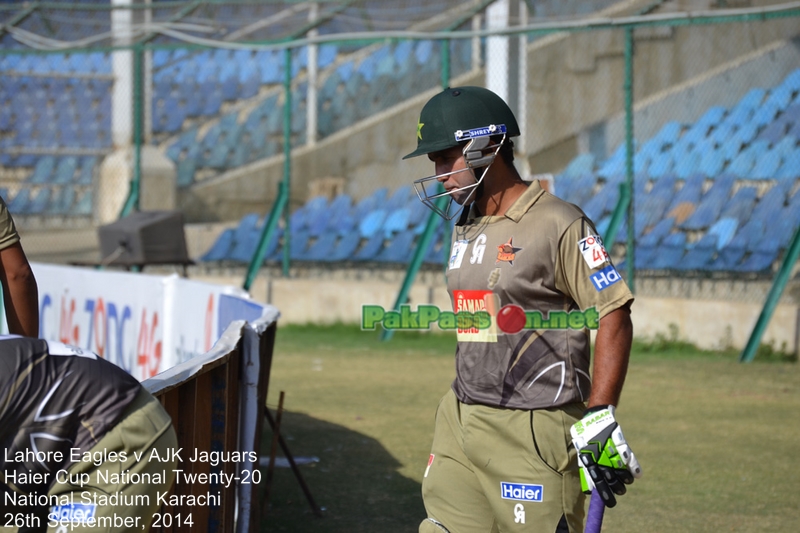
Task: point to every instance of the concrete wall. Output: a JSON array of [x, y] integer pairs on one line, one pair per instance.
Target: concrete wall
[[711, 320], [575, 84]]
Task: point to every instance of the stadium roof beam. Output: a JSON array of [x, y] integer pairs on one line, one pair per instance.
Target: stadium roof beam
[[265, 23], [321, 20], [185, 11], [17, 19]]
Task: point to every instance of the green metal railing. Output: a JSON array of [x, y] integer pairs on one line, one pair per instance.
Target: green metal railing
[[779, 283]]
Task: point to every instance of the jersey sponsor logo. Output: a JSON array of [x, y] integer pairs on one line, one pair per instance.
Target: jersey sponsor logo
[[593, 251], [477, 249], [457, 254], [525, 492], [493, 129], [506, 253], [605, 278], [73, 512], [473, 302]]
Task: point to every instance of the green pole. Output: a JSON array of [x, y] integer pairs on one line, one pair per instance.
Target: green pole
[[416, 261], [774, 295], [287, 153], [430, 224], [629, 254], [266, 235], [445, 62], [132, 201], [619, 212]]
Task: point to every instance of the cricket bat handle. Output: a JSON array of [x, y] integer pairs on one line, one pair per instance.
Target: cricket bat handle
[[594, 519]]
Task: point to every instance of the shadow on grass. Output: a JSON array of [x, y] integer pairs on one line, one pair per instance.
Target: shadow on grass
[[356, 482]]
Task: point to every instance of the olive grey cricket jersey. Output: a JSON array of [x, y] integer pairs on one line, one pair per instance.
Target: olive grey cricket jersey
[[55, 398], [542, 255]]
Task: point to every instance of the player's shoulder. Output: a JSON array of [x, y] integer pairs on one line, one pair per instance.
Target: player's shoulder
[[555, 213]]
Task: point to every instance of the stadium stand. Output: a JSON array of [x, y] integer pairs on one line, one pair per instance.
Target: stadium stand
[[718, 194]]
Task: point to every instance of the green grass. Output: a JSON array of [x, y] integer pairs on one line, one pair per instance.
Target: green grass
[[715, 437]]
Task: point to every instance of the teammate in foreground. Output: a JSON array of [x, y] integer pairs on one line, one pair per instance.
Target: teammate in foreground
[[20, 294], [502, 457], [85, 446]]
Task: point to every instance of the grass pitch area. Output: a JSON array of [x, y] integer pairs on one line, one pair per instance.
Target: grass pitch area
[[715, 437]]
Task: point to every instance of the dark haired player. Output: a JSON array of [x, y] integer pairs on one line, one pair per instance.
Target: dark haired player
[[502, 457]]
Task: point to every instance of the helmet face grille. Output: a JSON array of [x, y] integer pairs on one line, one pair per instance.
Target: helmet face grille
[[460, 109], [430, 191]]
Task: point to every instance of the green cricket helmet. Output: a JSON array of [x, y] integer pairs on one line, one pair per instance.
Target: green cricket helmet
[[461, 116], [457, 114]]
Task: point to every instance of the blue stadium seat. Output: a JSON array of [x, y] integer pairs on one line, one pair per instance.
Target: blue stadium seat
[[654, 237], [298, 245], [669, 133], [740, 207], [43, 170], [661, 164], [687, 164], [723, 230], [65, 171], [670, 252], [752, 99], [38, 202], [245, 238], [712, 162], [711, 205], [318, 216], [615, 164], [653, 205], [397, 222], [372, 223], [765, 114], [700, 255], [767, 164], [792, 81], [790, 168], [321, 248], [691, 192], [83, 206], [603, 202], [758, 261], [221, 248], [371, 248], [61, 201], [346, 246], [577, 190], [399, 249], [780, 97], [729, 257], [742, 165], [19, 203]]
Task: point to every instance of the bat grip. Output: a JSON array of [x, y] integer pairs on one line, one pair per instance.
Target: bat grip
[[594, 519]]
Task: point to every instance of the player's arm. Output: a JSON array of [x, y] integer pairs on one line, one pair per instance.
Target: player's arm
[[611, 354], [20, 293]]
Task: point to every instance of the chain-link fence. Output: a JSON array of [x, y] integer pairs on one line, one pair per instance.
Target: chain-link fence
[[194, 106]]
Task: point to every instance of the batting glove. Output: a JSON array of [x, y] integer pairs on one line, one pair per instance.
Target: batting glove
[[606, 461]]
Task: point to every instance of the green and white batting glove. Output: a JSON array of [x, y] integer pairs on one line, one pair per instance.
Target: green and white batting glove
[[606, 461]]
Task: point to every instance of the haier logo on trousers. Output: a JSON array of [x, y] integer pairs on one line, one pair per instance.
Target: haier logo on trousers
[[521, 491], [604, 278]]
